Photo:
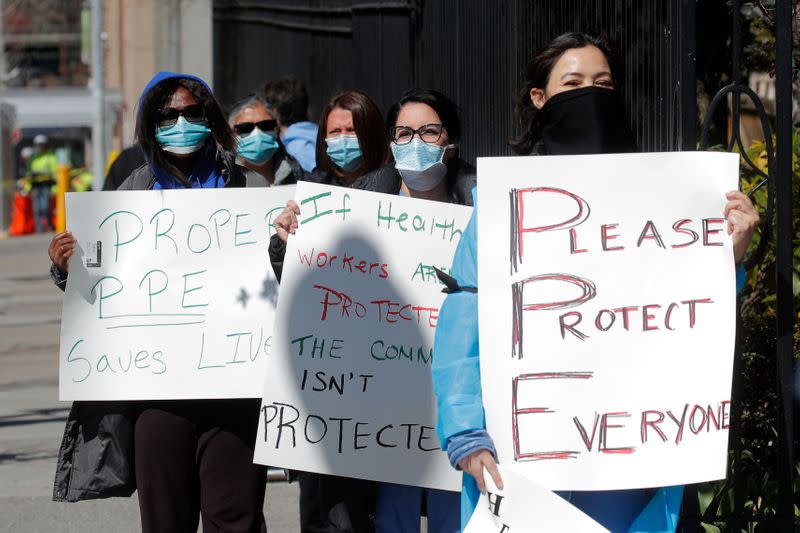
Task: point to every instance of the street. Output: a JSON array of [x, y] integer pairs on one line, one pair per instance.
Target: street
[[32, 419]]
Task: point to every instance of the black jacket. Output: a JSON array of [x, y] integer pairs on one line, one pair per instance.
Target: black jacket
[[372, 181], [126, 162], [143, 179], [287, 169], [461, 179], [95, 459]]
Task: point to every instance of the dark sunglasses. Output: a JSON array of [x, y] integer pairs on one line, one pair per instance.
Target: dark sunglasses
[[244, 128], [169, 115]]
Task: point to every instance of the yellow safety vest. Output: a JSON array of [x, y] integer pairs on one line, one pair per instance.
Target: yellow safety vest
[[43, 167]]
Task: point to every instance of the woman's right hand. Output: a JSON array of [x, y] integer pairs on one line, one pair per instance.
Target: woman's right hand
[[286, 222], [474, 464], [61, 249]]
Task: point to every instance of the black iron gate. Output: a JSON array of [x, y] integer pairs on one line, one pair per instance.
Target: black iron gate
[[777, 224], [472, 50]]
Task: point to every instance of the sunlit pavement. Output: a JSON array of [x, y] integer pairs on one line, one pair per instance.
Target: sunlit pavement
[[32, 419]]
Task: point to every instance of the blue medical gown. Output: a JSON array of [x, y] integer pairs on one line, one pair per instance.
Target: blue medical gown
[[457, 384]]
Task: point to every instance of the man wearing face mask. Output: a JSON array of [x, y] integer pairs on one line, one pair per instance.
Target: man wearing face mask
[[424, 129], [258, 145]]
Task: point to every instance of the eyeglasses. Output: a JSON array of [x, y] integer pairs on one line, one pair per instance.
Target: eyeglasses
[[169, 115], [244, 128], [429, 133]]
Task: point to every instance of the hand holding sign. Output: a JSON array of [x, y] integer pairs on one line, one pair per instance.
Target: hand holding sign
[[170, 294], [286, 223], [348, 391], [476, 463], [61, 248], [743, 220], [608, 335], [523, 505]]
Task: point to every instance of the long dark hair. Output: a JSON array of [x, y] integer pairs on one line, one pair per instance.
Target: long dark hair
[[368, 123], [444, 107], [537, 74], [159, 96]]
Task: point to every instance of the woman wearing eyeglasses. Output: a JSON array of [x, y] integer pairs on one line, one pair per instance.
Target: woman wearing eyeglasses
[[424, 130], [186, 459], [258, 145]]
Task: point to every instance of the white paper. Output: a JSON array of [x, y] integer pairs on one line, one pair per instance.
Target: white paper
[[590, 405], [348, 389], [170, 294], [523, 505]]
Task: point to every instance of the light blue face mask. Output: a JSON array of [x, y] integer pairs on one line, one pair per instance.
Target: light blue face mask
[[420, 163], [183, 137], [257, 147], [344, 151]]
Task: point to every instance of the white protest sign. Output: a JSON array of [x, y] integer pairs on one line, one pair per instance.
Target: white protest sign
[[348, 386], [607, 316], [523, 506], [170, 294]]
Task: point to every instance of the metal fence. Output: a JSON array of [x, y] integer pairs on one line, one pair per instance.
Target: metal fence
[[472, 50], [475, 50], [777, 225]]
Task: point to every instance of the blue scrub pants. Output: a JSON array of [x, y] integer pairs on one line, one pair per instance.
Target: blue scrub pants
[[398, 509], [40, 198]]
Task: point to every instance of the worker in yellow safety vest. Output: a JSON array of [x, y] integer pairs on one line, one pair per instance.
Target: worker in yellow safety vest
[[80, 180], [43, 167]]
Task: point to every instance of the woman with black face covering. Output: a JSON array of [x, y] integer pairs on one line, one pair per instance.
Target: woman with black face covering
[[568, 106]]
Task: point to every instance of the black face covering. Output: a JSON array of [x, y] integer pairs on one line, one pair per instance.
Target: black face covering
[[590, 120]]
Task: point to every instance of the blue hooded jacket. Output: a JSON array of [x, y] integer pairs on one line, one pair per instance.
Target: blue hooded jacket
[[462, 427], [204, 174], [300, 141]]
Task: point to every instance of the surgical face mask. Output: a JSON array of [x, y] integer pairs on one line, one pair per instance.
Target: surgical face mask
[[183, 137], [257, 147], [420, 164], [344, 151], [590, 120]]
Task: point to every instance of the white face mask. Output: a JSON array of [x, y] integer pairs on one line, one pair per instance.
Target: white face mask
[[420, 164], [424, 180]]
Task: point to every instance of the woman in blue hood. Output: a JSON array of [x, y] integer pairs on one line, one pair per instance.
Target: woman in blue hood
[[186, 139], [187, 459]]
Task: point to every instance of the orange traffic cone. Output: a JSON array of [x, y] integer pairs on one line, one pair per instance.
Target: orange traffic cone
[[22, 221]]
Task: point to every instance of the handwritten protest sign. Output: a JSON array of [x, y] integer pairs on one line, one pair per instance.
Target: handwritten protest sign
[[607, 316], [170, 294], [523, 505], [348, 387]]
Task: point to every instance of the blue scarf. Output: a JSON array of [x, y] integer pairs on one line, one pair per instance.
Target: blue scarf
[[204, 175]]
